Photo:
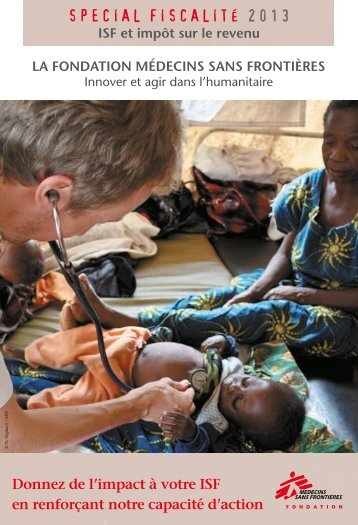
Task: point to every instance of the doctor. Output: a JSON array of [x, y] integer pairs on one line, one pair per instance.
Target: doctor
[[104, 158]]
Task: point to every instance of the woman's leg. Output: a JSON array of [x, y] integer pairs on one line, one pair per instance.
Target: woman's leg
[[312, 330], [210, 300], [247, 322]]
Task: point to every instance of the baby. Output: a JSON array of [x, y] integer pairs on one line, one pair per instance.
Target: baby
[[268, 413], [21, 263]]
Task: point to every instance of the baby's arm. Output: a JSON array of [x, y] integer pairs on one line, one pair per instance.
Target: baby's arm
[[227, 346], [178, 426], [215, 341], [190, 437]]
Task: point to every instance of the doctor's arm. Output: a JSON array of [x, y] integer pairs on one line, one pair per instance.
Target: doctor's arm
[[43, 430]]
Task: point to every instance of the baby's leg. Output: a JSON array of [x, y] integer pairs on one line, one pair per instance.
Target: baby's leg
[[14, 351], [74, 314]]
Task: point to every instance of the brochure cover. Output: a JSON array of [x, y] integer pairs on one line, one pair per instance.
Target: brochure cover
[[200, 161]]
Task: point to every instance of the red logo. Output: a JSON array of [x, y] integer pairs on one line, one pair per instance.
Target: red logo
[[288, 488]]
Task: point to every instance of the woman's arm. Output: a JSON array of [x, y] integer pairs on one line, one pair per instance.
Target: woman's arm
[[43, 430], [344, 299], [278, 268]]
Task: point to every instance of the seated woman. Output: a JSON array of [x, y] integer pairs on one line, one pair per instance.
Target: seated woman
[[316, 312]]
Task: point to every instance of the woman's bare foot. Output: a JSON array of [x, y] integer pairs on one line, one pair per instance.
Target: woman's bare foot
[[14, 351], [74, 314]]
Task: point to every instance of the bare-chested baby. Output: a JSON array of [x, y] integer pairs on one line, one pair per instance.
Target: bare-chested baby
[[21, 263], [268, 413]]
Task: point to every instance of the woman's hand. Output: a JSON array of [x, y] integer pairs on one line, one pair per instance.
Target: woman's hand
[[297, 294], [277, 269], [248, 296]]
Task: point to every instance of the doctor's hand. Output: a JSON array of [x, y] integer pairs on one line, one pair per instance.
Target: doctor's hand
[[165, 395]]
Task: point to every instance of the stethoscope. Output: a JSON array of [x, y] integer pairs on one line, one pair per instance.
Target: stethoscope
[[59, 249]]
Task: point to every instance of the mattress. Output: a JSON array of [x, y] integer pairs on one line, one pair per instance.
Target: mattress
[[184, 264]]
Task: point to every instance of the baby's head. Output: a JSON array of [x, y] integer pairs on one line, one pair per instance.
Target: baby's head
[[21, 263], [268, 413]]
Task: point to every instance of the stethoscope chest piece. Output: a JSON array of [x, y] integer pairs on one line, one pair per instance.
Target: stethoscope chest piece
[[198, 378]]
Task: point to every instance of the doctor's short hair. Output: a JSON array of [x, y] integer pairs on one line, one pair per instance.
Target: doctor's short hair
[[110, 148]]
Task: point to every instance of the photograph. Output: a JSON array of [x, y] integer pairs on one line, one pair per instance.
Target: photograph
[[179, 277], [178, 262]]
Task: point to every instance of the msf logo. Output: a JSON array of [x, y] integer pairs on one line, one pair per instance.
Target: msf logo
[[289, 488]]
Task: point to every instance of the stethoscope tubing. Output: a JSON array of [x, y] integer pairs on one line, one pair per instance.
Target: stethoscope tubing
[[59, 250]]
